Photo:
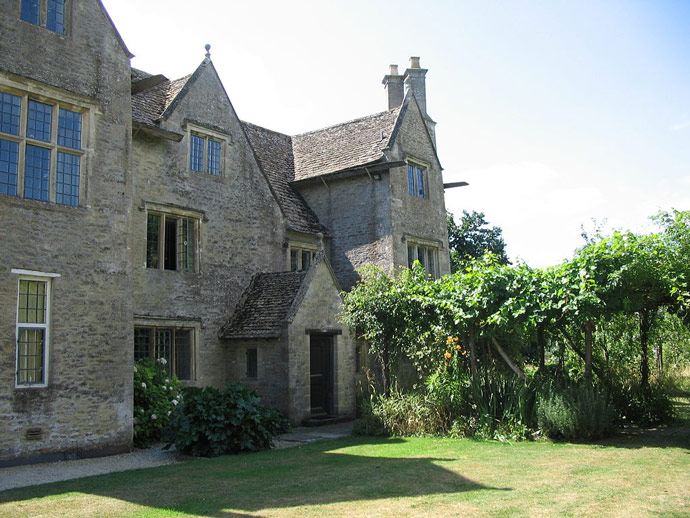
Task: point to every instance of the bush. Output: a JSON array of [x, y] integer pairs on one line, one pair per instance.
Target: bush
[[155, 397], [211, 422], [649, 407], [411, 414], [575, 412]]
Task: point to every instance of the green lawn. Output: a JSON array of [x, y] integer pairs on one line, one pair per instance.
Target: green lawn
[[644, 474]]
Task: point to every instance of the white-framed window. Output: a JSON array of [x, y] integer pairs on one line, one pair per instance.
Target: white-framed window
[[49, 14], [172, 341], [301, 257], [33, 327], [416, 180], [41, 147], [426, 254], [172, 239]]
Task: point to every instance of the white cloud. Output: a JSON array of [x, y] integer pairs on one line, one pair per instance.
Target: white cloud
[[680, 126]]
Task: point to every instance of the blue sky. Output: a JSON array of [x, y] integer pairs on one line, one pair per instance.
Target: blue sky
[[557, 113]]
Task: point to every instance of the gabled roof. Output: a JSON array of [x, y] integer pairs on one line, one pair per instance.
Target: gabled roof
[[274, 152], [351, 144], [265, 306], [149, 105]]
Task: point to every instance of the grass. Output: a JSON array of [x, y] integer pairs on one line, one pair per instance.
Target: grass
[[647, 474]]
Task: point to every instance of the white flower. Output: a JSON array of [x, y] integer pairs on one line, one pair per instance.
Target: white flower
[[135, 369], [175, 402], [169, 412], [167, 380], [143, 385], [163, 361], [154, 417]]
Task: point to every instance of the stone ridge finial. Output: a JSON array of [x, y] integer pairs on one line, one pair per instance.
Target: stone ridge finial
[[208, 51]]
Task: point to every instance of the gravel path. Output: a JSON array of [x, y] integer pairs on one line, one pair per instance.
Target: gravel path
[[34, 474]]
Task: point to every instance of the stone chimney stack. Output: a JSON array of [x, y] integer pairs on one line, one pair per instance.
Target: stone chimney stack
[[393, 82], [415, 81]]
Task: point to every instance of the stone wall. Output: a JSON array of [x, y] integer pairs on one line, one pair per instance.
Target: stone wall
[[415, 217], [319, 311], [86, 406], [241, 230], [356, 210]]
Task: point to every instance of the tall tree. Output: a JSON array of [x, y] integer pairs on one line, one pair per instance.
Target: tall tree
[[472, 238]]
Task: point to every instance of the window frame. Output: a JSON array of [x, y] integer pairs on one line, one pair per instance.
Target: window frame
[[300, 249], [58, 102], [207, 136], [428, 250], [47, 280], [181, 215], [417, 174], [162, 324], [43, 20]]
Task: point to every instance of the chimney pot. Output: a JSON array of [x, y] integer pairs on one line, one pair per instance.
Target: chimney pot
[[394, 70], [414, 62]]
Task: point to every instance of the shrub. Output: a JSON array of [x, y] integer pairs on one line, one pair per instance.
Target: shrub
[[574, 411], [644, 407], [401, 414], [211, 422], [155, 396]]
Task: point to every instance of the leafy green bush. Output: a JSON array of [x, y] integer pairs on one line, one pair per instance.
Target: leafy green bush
[[401, 414], [574, 411], [155, 397], [645, 407], [211, 422]]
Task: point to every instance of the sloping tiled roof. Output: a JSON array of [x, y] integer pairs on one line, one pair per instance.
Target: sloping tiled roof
[[274, 152], [264, 306], [351, 144], [149, 104]]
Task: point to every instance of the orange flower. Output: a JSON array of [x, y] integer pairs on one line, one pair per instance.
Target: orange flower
[[458, 347], [449, 340], [456, 339], [448, 356], [463, 353]]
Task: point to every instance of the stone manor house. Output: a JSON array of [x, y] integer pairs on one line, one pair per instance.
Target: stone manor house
[[143, 218]]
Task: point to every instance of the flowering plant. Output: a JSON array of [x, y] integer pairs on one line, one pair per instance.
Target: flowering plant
[[155, 396]]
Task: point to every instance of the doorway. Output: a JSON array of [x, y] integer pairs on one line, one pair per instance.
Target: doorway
[[321, 375]]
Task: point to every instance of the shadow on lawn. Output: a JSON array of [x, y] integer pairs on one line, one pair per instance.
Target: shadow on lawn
[[663, 437], [305, 476]]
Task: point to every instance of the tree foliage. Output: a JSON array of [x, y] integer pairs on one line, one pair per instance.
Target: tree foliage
[[562, 319], [472, 238]]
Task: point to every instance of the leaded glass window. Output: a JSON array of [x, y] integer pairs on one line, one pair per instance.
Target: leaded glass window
[[49, 170], [10, 107], [32, 330], [196, 155], [55, 20], [30, 11], [174, 345], [40, 121], [416, 181], [410, 180], [69, 129], [9, 162], [49, 14], [67, 180], [205, 154], [213, 162], [37, 173], [171, 242]]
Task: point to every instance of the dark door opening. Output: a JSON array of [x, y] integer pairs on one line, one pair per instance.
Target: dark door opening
[[321, 374]]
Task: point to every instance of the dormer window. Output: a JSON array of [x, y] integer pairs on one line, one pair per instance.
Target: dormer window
[[49, 14], [205, 154]]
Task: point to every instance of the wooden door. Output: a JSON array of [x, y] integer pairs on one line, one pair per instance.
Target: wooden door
[[321, 374]]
